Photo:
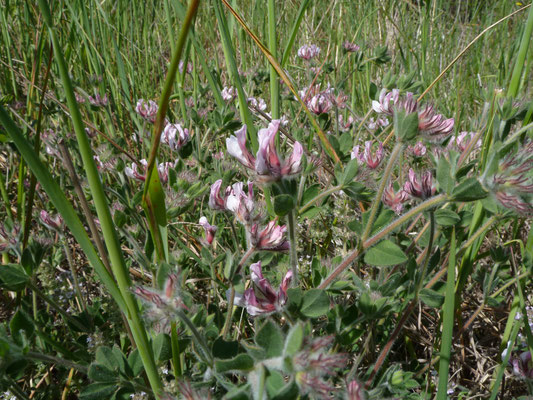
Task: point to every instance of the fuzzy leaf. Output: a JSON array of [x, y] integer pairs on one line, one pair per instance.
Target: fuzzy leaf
[[385, 253], [315, 303]]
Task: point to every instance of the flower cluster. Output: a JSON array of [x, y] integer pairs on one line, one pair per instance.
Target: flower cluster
[[54, 223], [257, 103], [314, 364], [267, 164], [371, 159], [147, 109], [423, 188], [261, 298], [432, 126], [229, 93], [308, 51], [99, 101], [512, 184], [175, 136], [162, 305], [162, 169], [8, 239], [350, 47], [394, 200]]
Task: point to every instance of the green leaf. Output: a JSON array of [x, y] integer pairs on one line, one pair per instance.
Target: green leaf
[[445, 217], [405, 125], [98, 391], [162, 347], [443, 175], [21, 322], [350, 172], [100, 373], [13, 277], [283, 204], [106, 358], [469, 190], [135, 362], [243, 362], [270, 338], [385, 253], [310, 193], [294, 340], [311, 212], [431, 298], [224, 349], [315, 303]]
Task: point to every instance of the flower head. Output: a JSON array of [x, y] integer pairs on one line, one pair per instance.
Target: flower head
[[344, 126], [432, 126], [133, 171], [308, 51], [270, 238], [423, 188], [147, 109], [189, 67], [350, 47], [54, 223], [320, 103], [237, 148], [242, 204], [261, 298], [210, 230], [8, 238], [512, 184], [371, 159], [418, 150], [462, 140], [267, 163], [229, 93], [216, 200], [257, 103], [523, 365], [175, 136], [99, 101], [162, 304], [394, 200]]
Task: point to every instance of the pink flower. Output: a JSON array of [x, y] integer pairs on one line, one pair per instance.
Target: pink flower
[[308, 51], [394, 200], [345, 126], [379, 123], [462, 141], [175, 136], [216, 200], [261, 299], [147, 109], [434, 127], [422, 189], [388, 101], [523, 365], [229, 93], [354, 391], [162, 169], [418, 150], [372, 160], [99, 101], [237, 148], [320, 103], [189, 67], [267, 163], [350, 47], [210, 230], [257, 103], [270, 238], [134, 172], [55, 223], [241, 204]]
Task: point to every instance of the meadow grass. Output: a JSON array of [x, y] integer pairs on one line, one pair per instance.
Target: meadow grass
[[452, 288]]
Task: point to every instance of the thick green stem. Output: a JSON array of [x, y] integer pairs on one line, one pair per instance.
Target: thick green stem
[[396, 151], [118, 264], [522, 52], [272, 46], [428, 254]]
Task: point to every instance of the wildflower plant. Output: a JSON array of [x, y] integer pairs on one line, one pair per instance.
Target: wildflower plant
[[184, 222]]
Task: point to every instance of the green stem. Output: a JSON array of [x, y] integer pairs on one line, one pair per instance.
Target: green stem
[[430, 203], [176, 364], [231, 300], [199, 338], [291, 222], [396, 151], [75, 280], [272, 46], [118, 264], [320, 196], [522, 52], [56, 360]]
